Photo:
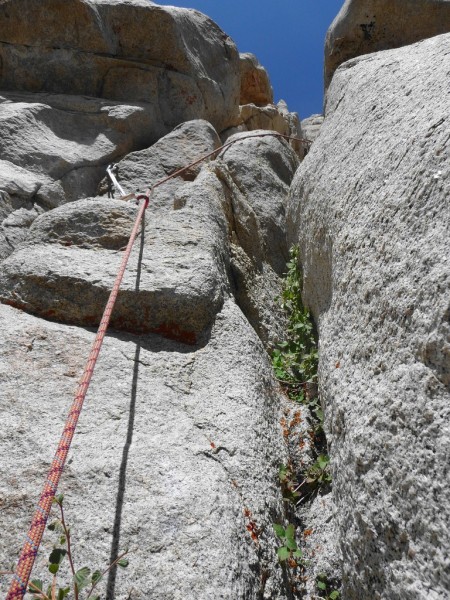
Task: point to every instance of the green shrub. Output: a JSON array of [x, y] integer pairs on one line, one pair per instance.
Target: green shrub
[[295, 360], [82, 579]]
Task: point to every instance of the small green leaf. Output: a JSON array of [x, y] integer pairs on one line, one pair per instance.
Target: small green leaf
[[291, 544], [123, 562], [56, 556], [53, 568], [290, 532], [62, 540], [96, 576], [319, 414], [56, 526], [283, 553], [36, 584], [58, 499], [94, 597], [321, 585], [279, 530], [334, 595], [81, 577], [63, 592], [323, 461], [298, 553]]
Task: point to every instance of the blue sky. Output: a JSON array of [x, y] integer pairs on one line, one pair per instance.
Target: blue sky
[[287, 36]]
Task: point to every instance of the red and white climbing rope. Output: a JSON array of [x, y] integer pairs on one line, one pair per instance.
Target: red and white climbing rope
[[33, 539], [19, 583]]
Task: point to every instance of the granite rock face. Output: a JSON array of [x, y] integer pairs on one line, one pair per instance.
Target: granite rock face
[[176, 60], [369, 208], [364, 26], [86, 83], [179, 446], [182, 146], [311, 127], [178, 450], [67, 141], [66, 266], [272, 117], [262, 168], [258, 249], [255, 82], [55, 149], [176, 454]]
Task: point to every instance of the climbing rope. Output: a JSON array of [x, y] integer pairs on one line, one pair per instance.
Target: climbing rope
[[30, 548], [19, 583]]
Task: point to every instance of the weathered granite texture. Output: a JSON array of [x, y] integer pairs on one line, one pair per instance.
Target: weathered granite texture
[[272, 117], [369, 208], [65, 268], [179, 446], [176, 60], [176, 454], [255, 82], [54, 148], [67, 141], [262, 168], [311, 127], [364, 26]]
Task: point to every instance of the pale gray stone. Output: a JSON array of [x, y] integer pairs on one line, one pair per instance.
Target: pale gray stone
[[369, 208], [19, 183], [18, 210], [61, 274], [176, 453], [311, 127], [66, 142], [56, 148], [181, 496], [142, 169], [222, 221], [262, 169], [271, 118], [364, 26], [176, 61]]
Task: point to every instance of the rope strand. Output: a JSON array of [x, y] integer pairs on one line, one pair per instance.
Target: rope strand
[[30, 548], [33, 539]]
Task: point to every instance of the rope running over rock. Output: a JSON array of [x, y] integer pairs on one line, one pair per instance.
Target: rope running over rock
[[19, 583]]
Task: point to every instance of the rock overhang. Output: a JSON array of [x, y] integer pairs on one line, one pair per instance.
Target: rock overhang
[[175, 59]]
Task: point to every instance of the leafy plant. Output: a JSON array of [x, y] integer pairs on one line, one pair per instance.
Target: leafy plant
[[295, 360], [325, 587], [318, 474], [288, 483], [316, 477], [289, 550], [81, 579]]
